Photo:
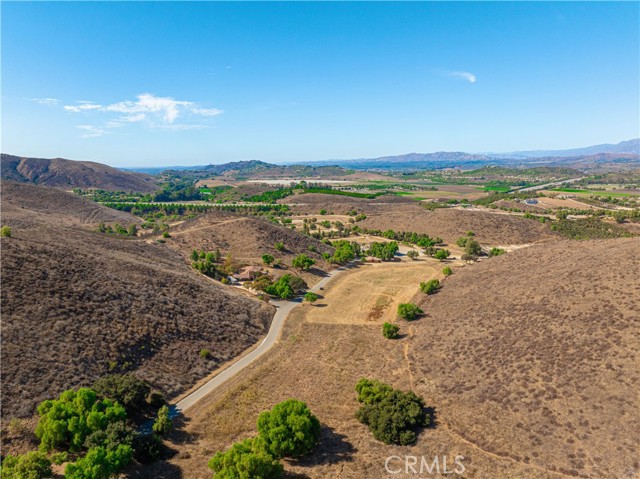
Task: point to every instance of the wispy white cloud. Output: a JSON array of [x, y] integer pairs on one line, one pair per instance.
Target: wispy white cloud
[[470, 77], [206, 111], [155, 111], [46, 101], [83, 106], [91, 131]]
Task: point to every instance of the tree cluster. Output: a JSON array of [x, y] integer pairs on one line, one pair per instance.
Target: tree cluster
[[287, 430], [394, 417], [385, 251]]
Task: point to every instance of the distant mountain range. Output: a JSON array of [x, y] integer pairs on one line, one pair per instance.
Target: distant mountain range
[[629, 146], [446, 159]]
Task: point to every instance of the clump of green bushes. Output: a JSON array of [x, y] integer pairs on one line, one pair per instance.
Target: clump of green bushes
[[394, 417], [409, 311], [287, 430], [390, 331]]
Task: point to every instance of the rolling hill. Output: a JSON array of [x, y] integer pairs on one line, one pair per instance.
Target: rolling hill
[[61, 173], [77, 304]]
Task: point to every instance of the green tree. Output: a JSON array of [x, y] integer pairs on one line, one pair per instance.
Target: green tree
[[447, 271], [310, 297], [441, 254], [267, 259], [5, 232], [303, 262], [323, 211], [288, 430], [462, 241], [66, 422], [496, 252], [166, 235], [126, 389], [413, 254], [195, 255], [409, 311], [204, 353], [472, 247], [162, 424], [244, 461], [99, 463], [562, 214], [279, 246], [390, 331], [430, 286], [394, 417], [32, 465]]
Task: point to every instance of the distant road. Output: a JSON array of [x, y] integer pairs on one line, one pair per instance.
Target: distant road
[[283, 310], [547, 185]]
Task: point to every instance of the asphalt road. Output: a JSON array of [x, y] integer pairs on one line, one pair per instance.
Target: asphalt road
[[283, 310]]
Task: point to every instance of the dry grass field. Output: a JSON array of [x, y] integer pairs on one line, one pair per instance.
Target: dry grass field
[[531, 374], [77, 304], [449, 224]]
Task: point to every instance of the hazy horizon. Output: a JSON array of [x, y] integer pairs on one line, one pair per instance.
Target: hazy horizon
[[302, 82]]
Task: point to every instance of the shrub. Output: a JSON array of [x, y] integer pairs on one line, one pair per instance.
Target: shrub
[[288, 430], [409, 311], [430, 286], [99, 463], [5, 232], [166, 235], [413, 254], [279, 246], [267, 259], [310, 297], [447, 271], [205, 353], [162, 424], [302, 261], [390, 331], [441, 254], [496, 252], [126, 389], [394, 417], [472, 247], [323, 211], [245, 460], [225, 281], [462, 241], [32, 465]]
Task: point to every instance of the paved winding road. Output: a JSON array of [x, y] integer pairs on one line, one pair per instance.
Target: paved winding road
[[283, 310]]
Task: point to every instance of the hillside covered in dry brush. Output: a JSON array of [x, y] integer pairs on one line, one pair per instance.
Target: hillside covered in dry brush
[[77, 305]]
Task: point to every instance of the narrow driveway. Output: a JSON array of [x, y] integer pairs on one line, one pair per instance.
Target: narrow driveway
[[283, 310]]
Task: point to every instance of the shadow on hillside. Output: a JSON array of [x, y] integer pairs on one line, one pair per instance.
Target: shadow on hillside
[[318, 272], [433, 418], [332, 448]]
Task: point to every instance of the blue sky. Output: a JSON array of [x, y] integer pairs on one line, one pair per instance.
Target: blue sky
[[157, 84]]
